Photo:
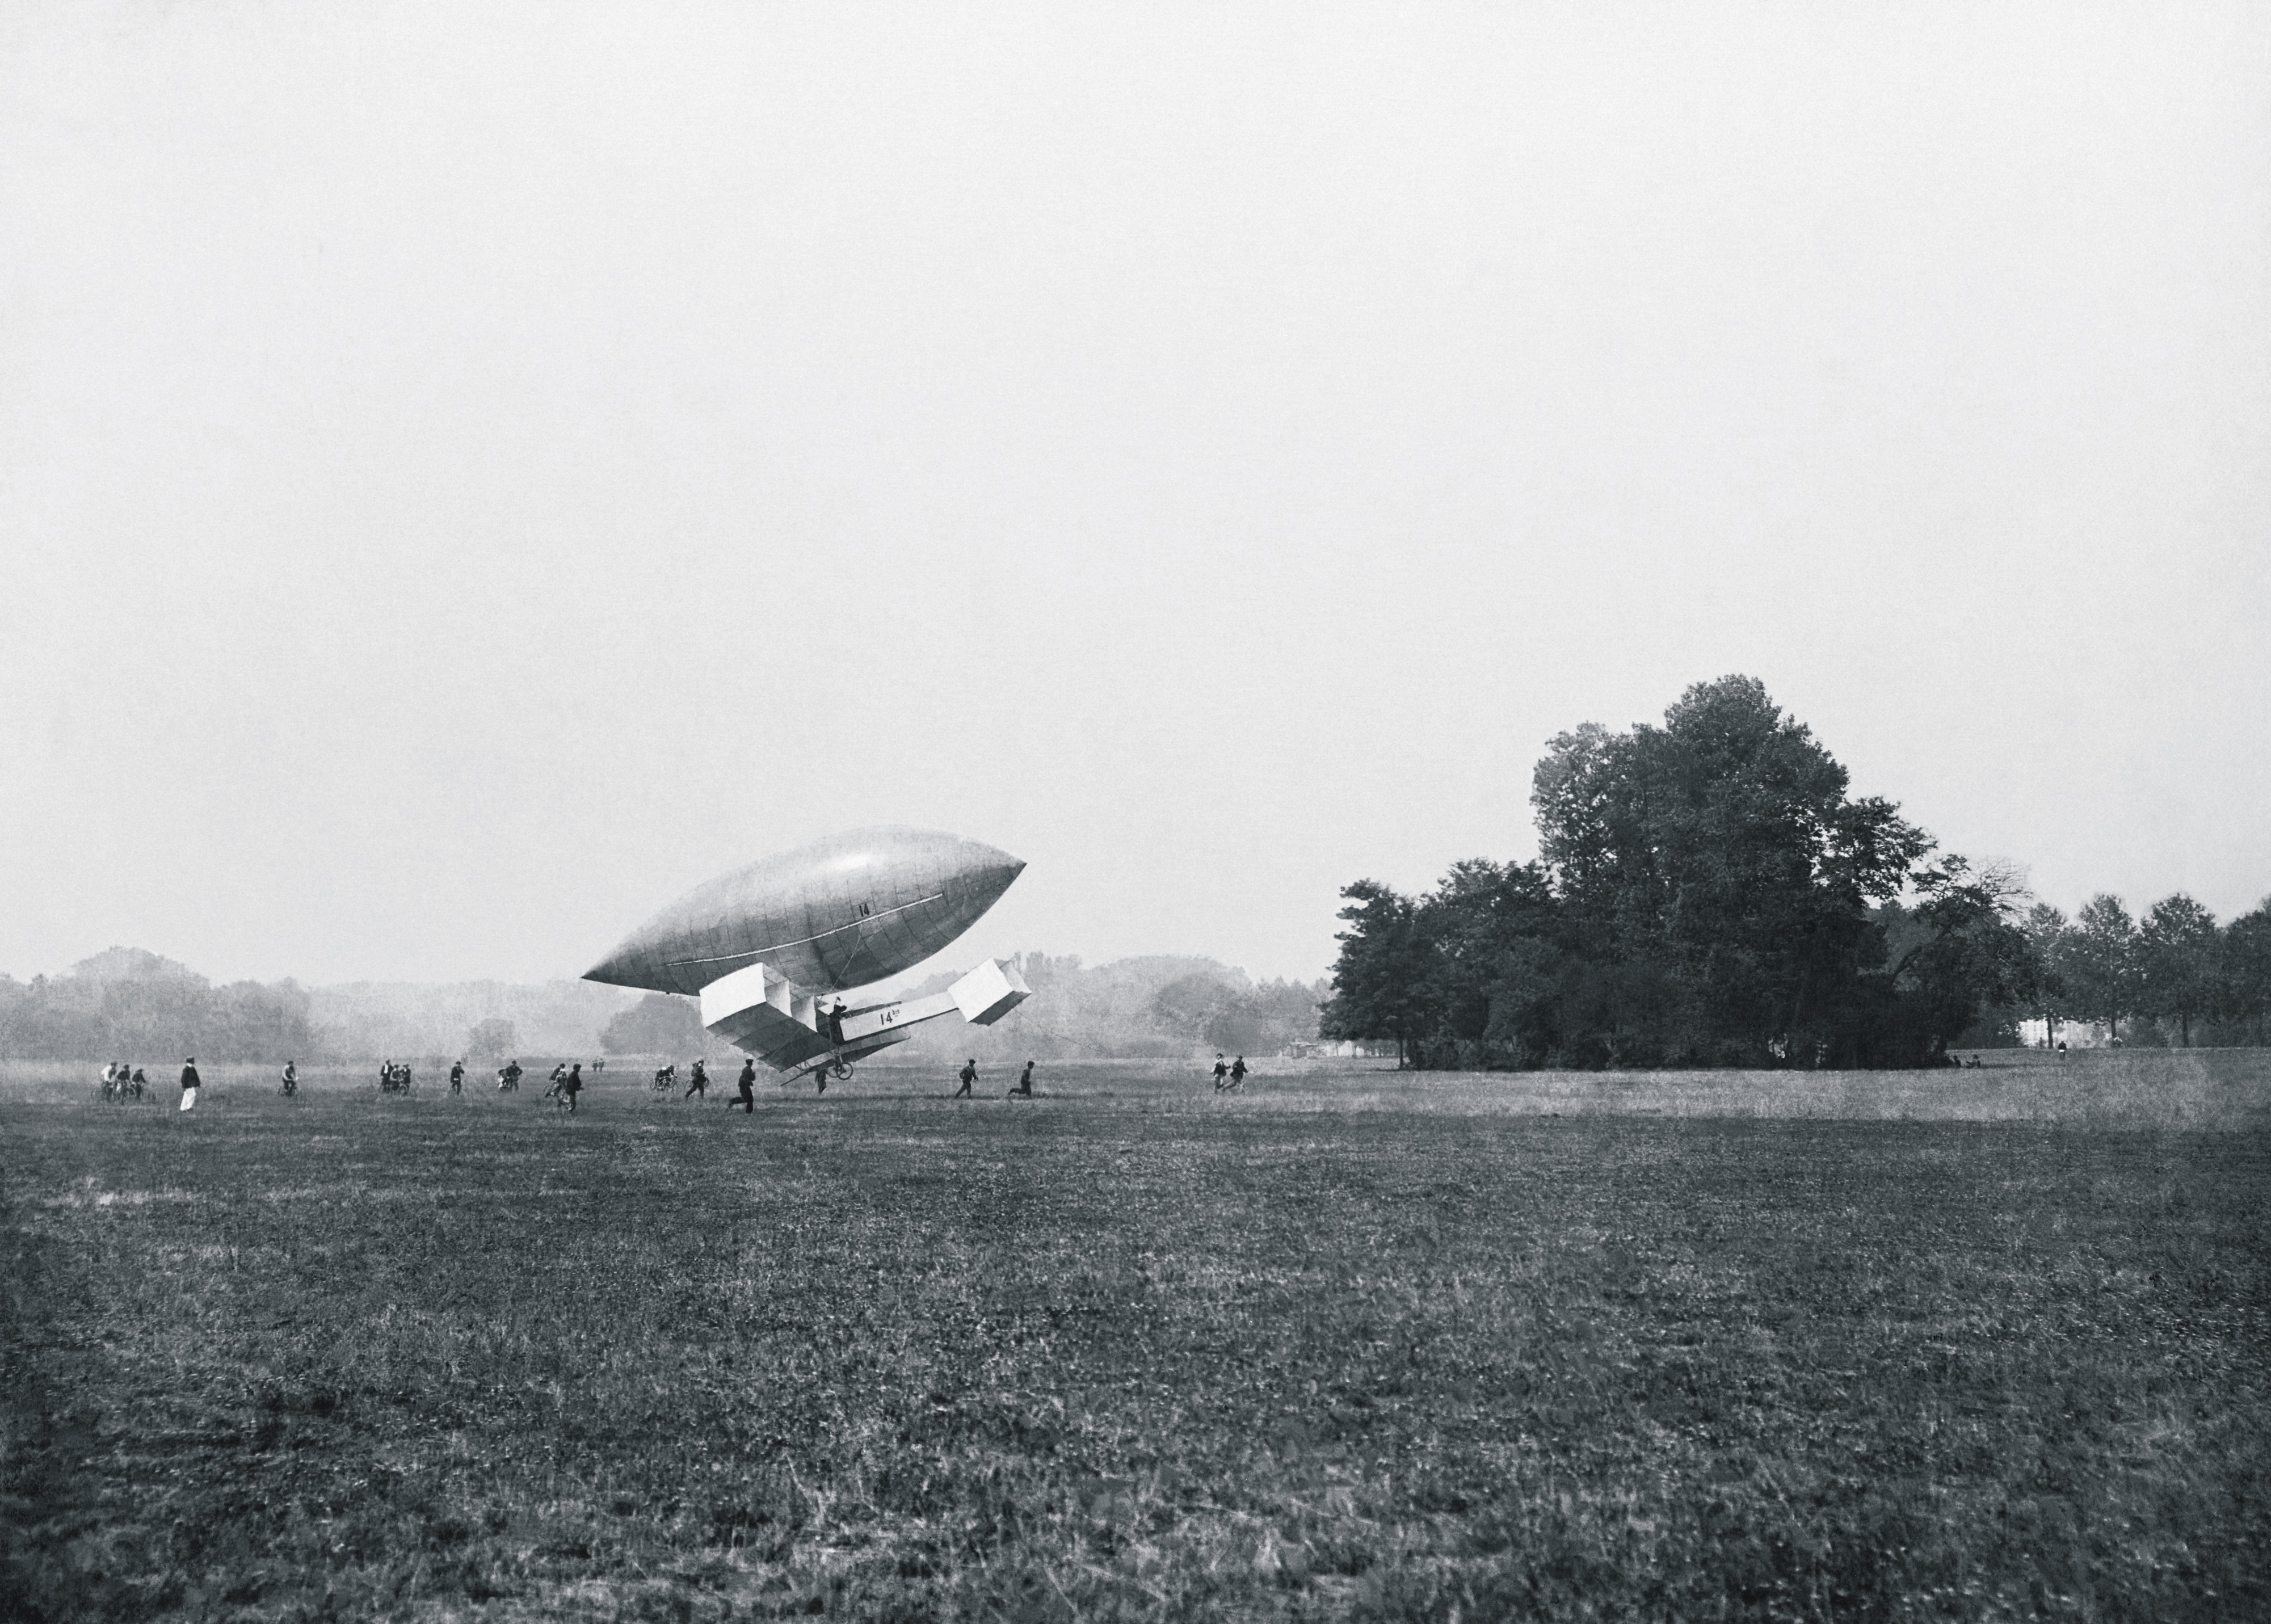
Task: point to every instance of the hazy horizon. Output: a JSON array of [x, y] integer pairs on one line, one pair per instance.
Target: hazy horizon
[[469, 474]]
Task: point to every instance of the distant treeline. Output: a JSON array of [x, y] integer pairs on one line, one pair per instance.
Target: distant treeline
[[131, 1005], [2175, 976], [1707, 894], [1160, 1007], [127, 1003]]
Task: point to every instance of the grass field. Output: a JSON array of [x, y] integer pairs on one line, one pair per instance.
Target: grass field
[[1350, 1345]]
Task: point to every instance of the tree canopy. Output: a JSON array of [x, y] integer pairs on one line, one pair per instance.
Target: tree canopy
[[1707, 892]]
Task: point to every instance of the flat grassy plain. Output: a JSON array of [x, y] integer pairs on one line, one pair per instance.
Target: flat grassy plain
[[1349, 1345]]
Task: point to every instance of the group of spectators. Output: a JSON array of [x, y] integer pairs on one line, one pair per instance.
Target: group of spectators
[[120, 1081], [123, 1081]]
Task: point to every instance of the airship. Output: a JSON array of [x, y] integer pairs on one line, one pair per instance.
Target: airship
[[771, 947]]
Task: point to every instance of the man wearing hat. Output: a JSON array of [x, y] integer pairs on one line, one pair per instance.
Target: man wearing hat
[[190, 1083]]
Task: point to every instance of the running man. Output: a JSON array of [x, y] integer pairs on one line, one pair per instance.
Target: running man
[[458, 1076], [1237, 1071], [1221, 1072], [697, 1081], [746, 1082], [969, 1077], [291, 1079], [1024, 1084]]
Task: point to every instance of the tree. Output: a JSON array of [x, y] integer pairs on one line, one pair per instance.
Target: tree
[[1491, 930], [658, 1023], [2177, 971], [1216, 1007], [2245, 966], [2101, 962], [1380, 978], [493, 1038], [2047, 931], [1722, 851], [1974, 957]]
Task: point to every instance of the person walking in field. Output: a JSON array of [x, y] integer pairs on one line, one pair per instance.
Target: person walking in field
[[1024, 1084], [556, 1081], [571, 1085], [969, 1077], [746, 1083], [1237, 1071], [291, 1079], [458, 1076], [190, 1084], [697, 1081], [1221, 1072], [139, 1083]]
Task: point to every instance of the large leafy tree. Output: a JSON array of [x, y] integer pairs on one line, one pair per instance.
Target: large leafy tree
[[1722, 851], [2177, 946], [1974, 955], [2101, 962], [2245, 966], [2047, 931], [1495, 965], [1383, 982]]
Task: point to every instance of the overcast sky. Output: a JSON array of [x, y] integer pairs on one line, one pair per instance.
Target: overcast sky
[[468, 473]]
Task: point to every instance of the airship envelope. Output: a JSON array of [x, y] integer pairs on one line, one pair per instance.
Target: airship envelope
[[838, 914]]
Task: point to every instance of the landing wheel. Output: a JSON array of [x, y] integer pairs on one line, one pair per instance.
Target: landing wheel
[[841, 1070]]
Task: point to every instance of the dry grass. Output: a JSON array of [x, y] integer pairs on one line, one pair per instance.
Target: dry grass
[[1349, 1346]]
